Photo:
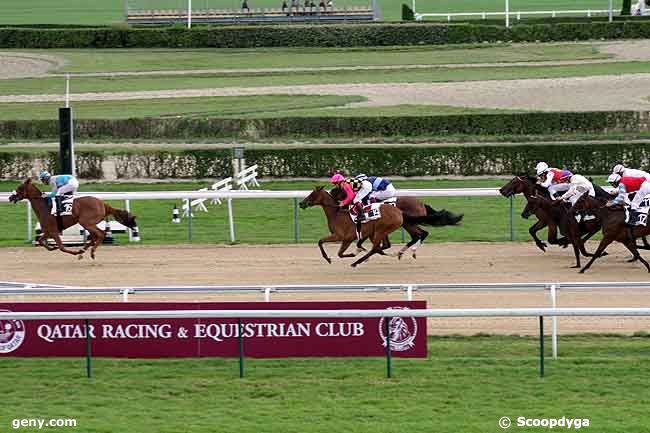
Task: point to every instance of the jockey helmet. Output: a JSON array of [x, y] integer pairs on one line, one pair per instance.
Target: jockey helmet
[[337, 178], [565, 174], [362, 176], [541, 168], [618, 169], [44, 174], [614, 178]]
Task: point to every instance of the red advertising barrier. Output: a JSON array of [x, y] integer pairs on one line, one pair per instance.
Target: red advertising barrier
[[263, 338]]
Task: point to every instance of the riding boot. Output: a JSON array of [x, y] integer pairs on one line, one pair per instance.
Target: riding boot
[[59, 209]]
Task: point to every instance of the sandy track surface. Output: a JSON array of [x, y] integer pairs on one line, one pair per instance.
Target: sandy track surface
[[613, 93], [302, 264], [625, 92]]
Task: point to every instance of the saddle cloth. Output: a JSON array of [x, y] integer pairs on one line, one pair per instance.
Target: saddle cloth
[[371, 213], [637, 217], [66, 205]]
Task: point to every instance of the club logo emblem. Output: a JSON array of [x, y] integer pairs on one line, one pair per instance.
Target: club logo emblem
[[12, 334], [403, 331]]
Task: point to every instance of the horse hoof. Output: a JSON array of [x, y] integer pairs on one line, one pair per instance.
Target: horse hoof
[[354, 265], [329, 261], [415, 256], [399, 256], [575, 267], [582, 271], [632, 260], [80, 257], [604, 253]]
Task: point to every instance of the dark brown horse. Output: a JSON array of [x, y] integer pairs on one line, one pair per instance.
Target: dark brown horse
[[343, 229], [415, 214], [87, 211], [527, 185], [614, 228]]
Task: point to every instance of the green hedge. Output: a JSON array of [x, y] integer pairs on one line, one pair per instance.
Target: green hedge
[[320, 162], [301, 127], [317, 36]]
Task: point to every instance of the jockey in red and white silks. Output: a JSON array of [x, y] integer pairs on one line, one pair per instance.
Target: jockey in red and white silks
[[550, 179], [629, 184], [623, 171]]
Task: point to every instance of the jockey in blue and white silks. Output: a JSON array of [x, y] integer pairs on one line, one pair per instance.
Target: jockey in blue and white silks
[[63, 184], [382, 188]]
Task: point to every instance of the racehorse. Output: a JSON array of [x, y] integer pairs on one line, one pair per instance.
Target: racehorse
[[343, 229], [527, 185], [415, 213], [87, 211], [614, 228]]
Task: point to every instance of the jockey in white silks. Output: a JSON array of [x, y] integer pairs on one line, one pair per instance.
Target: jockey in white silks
[[623, 171], [578, 185], [382, 188]]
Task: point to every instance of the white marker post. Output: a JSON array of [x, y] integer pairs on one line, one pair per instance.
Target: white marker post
[[507, 13], [189, 14]]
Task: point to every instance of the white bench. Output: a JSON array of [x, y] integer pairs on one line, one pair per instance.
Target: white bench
[[246, 176], [222, 185], [197, 203]]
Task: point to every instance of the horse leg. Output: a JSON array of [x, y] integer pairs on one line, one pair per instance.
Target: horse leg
[[344, 246], [59, 243], [376, 247], [385, 244], [417, 237], [533, 232], [97, 235], [631, 245], [599, 251], [360, 243], [331, 238]]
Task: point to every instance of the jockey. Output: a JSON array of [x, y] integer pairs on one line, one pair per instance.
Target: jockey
[[622, 171], [340, 181], [578, 185], [550, 179], [629, 184], [382, 188], [62, 185]]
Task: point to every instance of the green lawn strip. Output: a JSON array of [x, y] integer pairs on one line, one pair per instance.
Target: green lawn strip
[[387, 111], [466, 384], [225, 106], [268, 221], [430, 75], [124, 60]]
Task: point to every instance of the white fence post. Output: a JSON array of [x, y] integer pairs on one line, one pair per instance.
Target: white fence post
[[554, 321], [29, 222]]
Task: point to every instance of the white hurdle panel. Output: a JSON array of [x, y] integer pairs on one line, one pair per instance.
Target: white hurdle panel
[[222, 185], [197, 203], [246, 176]]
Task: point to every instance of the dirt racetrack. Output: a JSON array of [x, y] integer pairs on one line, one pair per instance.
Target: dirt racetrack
[[302, 264]]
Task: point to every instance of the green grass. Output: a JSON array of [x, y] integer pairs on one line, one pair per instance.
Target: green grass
[[432, 75], [133, 60], [465, 385], [393, 110], [237, 106], [111, 11], [271, 220]]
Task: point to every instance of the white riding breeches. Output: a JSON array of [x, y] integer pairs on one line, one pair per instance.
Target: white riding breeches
[[558, 188], [643, 191], [69, 188], [389, 192], [362, 193], [574, 198]]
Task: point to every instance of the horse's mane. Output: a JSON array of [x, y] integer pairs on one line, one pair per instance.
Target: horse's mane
[[601, 194], [539, 190]]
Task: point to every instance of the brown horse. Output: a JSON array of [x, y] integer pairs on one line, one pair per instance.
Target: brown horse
[[614, 228], [527, 185], [343, 229], [87, 211], [415, 214]]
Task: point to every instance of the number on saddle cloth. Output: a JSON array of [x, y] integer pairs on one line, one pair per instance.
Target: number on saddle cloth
[[66, 205], [636, 217]]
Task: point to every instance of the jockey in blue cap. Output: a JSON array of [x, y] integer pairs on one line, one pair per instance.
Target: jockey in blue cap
[[62, 185]]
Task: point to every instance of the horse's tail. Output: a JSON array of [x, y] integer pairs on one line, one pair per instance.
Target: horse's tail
[[435, 218], [122, 216]]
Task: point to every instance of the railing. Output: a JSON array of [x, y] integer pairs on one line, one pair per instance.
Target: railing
[[516, 14], [261, 194], [86, 316], [26, 289]]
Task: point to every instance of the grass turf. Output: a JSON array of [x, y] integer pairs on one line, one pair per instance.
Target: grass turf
[[267, 221], [135, 60], [465, 385], [205, 81]]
